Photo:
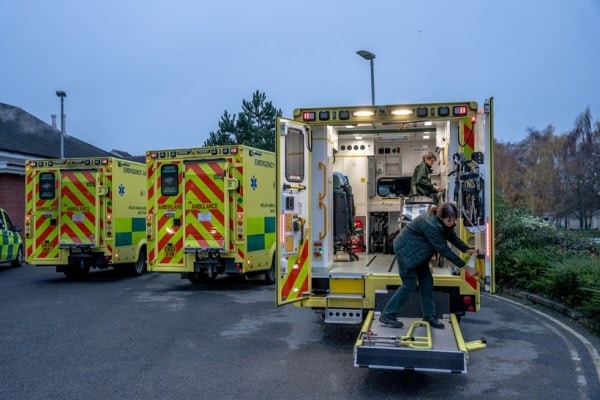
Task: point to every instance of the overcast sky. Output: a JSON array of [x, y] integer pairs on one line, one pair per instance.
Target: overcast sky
[[146, 74]]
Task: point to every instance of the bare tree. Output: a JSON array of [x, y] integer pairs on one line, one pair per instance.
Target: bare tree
[[553, 174], [579, 173]]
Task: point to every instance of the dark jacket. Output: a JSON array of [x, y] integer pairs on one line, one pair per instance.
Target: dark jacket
[[420, 184], [422, 238]]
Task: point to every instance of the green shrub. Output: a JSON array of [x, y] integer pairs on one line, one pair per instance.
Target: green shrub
[[570, 281], [591, 306], [534, 255]]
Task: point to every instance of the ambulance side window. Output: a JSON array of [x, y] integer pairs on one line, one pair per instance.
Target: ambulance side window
[[294, 155], [169, 180], [47, 183], [9, 224]]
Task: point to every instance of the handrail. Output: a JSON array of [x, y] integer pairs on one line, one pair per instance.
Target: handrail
[[324, 168], [322, 235]]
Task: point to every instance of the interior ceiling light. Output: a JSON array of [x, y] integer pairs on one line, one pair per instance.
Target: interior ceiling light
[[428, 123], [402, 111], [363, 113]]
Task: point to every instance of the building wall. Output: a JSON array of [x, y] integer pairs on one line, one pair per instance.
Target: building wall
[[12, 197]]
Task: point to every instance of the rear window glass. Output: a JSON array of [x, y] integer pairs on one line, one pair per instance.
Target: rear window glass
[[169, 180], [294, 155], [47, 185]]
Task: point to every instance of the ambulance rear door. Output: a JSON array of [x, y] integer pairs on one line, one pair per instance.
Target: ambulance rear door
[[206, 205], [294, 247], [79, 209], [43, 195], [168, 209]]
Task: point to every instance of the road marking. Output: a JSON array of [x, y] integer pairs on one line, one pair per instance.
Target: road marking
[[589, 347]]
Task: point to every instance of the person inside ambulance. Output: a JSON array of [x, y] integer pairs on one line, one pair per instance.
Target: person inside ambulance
[[414, 246], [420, 183]]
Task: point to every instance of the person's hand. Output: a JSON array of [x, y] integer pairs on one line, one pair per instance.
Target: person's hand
[[470, 270], [473, 251]]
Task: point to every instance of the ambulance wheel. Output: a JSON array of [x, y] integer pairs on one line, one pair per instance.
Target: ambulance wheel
[[139, 267], [76, 271], [270, 273], [17, 262]]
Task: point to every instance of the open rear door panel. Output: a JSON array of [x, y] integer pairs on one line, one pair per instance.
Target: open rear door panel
[[294, 249]]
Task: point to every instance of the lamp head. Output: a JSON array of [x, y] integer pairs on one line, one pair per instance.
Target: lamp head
[[367, 55]]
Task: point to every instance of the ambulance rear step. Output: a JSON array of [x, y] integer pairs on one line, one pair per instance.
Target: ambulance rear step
[[344, 315], [344, 300]]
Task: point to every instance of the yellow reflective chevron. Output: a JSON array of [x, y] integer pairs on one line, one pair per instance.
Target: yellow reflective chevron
[[78, 207], [206, 204]]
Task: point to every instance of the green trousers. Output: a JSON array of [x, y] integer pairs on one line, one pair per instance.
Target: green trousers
[[422, 274]]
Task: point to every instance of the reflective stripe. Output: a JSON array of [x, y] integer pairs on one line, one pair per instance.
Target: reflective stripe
[[296, 281], [78, 207]]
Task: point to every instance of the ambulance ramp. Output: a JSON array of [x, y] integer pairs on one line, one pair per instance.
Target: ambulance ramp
[[380, 346], [416, 346]]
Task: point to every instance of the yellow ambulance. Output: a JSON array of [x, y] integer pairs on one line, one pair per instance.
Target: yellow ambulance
[[83, 213], [211, 211], [342, 167]]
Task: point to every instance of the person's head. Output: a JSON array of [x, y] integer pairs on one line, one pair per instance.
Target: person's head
[[447, 213], [429, 158]]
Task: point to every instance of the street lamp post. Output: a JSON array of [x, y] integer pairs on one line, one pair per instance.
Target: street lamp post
[[62, 96], [367, 55]]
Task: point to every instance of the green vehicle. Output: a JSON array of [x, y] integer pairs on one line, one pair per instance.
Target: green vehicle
[[11, 244]]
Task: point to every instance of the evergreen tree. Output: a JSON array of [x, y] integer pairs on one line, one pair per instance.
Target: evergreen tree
[[254, 126]]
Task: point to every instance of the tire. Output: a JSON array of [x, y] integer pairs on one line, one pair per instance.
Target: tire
[[138, 268], [271, 274], [18, 261]]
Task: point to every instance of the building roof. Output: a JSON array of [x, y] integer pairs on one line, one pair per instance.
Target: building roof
[[125, 155], [22, 133]]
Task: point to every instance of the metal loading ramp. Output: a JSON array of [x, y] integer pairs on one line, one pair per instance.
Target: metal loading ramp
[[380, 346], [414, 346]]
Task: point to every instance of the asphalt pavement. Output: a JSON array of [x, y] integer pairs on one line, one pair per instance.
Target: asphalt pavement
[[160, 337]]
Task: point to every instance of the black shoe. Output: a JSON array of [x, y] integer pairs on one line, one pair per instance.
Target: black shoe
[[390, 321], [434, 322]]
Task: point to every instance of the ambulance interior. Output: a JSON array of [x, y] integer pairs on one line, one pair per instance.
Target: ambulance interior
[[378, 162]]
